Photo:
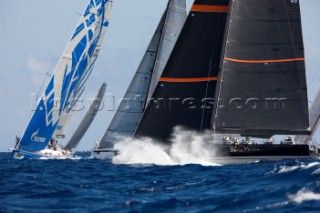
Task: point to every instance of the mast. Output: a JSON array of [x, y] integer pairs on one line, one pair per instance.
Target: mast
[[87, 120], [185, 92], [132, 107], [262, 87], [70, 75]]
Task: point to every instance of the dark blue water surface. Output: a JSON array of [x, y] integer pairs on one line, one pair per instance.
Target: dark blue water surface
[[91, 185]]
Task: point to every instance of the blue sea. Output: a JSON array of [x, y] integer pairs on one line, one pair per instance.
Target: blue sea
[[93, 185]]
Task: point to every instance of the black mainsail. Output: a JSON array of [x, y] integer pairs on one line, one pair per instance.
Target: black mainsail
[[262, 86], [131, 108], [185, 92], [87, 120]]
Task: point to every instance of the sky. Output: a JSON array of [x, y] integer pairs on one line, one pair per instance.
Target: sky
[[35, 32]]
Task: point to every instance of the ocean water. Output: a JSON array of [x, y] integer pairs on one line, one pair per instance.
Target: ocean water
[[93, 185]]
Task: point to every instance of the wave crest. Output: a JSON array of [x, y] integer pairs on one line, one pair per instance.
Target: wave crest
[[304, 195]]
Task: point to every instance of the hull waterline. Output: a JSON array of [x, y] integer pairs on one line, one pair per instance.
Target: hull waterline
[[250, 153], [240, 154], [43, 154]]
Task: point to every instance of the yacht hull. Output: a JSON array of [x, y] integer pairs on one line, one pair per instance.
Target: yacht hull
[[262, 150], [43, 154], [245, 153], [239, 154], [103, 153]]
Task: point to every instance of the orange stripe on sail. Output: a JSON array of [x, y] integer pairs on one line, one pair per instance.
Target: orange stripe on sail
[[209, 8], [188, 80], [263, 61]]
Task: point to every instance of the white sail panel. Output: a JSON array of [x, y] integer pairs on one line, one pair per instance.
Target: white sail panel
[[61, 128]]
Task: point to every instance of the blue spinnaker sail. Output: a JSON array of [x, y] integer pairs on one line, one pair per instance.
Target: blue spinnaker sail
[[70, 75]]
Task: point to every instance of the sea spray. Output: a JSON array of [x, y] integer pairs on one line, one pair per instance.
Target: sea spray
[[186, 147], [143, 151]]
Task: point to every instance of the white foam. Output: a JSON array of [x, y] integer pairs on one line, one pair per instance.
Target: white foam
[[188, 147], [285, 169], [316, 172], [304, 195], [267, 207], [61, 158], [299, 197], [141, 152]]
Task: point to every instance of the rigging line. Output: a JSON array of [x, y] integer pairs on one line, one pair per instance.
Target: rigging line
[[220, 76], [314, 77], [316, 134], [291, 32], [317, 94], [152, 74], [41, 90], [286, 84], [215, 44], [62, 40], [218, 32]]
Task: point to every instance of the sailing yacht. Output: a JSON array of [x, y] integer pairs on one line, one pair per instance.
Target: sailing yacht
[[142, 86], [238, 67], [66, 85]]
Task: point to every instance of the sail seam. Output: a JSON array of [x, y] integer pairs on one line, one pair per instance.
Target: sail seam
[[188, 80], [263, 61], [173, 24]]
